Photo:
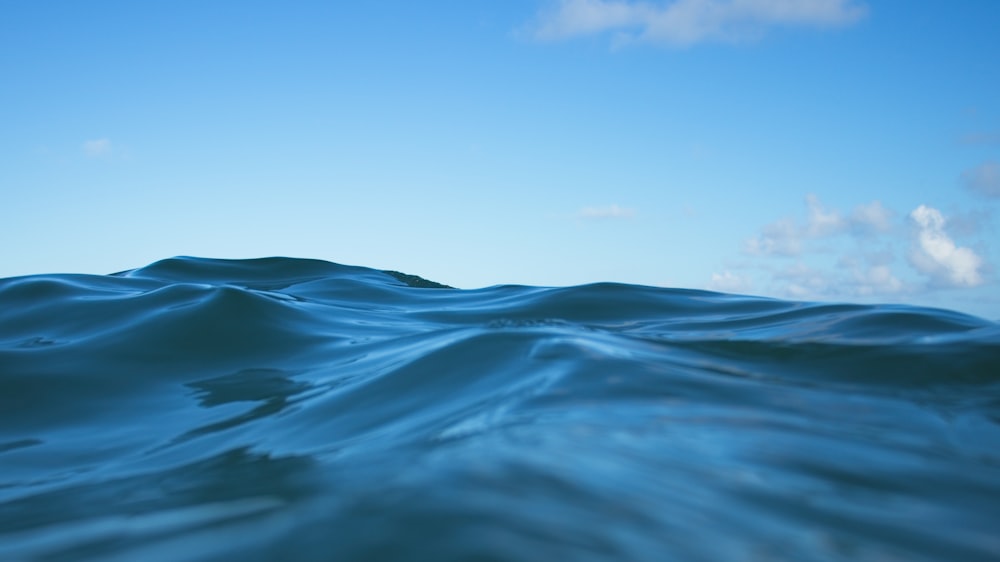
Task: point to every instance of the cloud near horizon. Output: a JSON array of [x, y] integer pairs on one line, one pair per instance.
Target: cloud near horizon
[[833, 255], [787, 237], [682, 23], [729, 282]]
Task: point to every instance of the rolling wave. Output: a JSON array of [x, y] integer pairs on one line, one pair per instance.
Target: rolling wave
[[289, 409]]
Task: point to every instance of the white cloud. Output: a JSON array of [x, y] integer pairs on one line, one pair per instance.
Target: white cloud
[[582, 17], [935, 254], [858, 255], [983, 179], [97, 148], [687, 22], [729, 282], [609, 212]]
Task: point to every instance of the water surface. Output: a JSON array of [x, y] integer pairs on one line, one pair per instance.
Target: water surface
[[281, 409]]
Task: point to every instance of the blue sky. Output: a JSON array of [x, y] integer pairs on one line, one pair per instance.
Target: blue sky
[[841, 150]]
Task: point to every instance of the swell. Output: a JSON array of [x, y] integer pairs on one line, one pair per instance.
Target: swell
[[304, 410]]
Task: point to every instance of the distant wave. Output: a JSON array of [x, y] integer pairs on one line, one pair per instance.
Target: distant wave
[[285, 409]]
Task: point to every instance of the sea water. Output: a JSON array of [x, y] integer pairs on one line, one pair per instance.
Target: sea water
[[281, 409]]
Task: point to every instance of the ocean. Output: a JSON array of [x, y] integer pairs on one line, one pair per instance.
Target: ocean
[[301, 410]]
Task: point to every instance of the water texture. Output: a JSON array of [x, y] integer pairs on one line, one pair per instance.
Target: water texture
[[281, 409]]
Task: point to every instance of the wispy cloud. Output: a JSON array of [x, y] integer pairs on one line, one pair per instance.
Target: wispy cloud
[[851, 276], [688, 22], [935, 254], [609, 212], [97, 148], [822, 221], [981, 138], [787, 237], [972, 222], [983, 179], [871, 218], [729, 282], [870, 274], [781, 238], [802, 281]]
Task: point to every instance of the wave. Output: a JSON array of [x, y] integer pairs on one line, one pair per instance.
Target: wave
[[291, 409]]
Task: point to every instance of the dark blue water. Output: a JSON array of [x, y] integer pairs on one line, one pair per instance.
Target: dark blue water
[[282, 409]]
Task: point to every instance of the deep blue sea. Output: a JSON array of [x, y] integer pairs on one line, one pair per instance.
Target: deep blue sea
[[300, 410]]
